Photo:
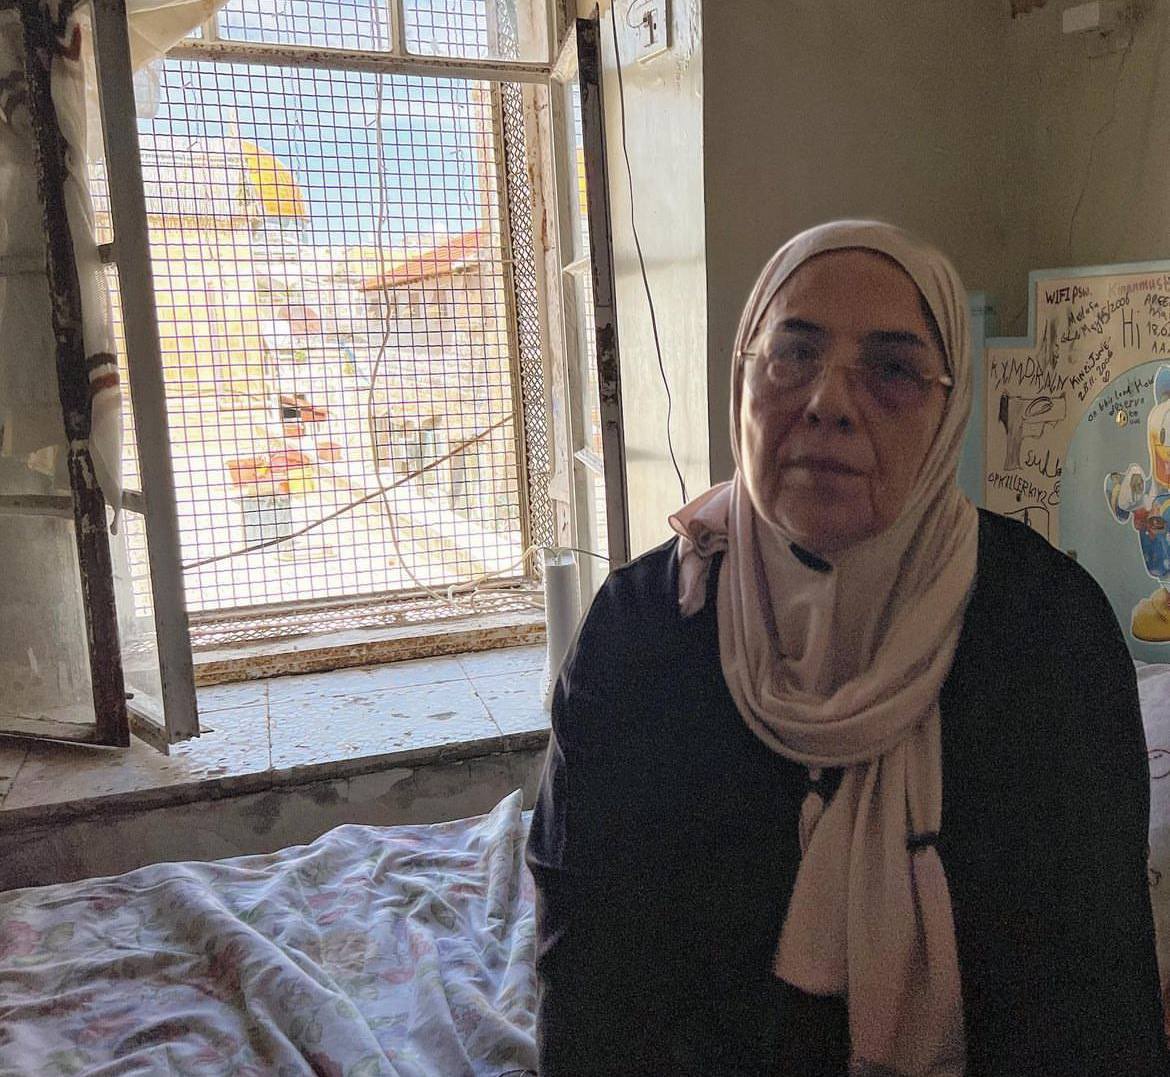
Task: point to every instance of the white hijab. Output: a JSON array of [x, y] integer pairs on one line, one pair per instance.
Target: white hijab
[[843, 669]]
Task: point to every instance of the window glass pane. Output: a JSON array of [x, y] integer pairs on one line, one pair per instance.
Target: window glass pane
[[460, 29], [44, 658], [44, 661], [136, 627], [587, 351], [578, 199], [601, 536], [476, 29], [336, 24], [591, 502]]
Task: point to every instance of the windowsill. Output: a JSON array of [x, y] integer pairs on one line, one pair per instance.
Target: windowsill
[[361, 647], [264, 734]]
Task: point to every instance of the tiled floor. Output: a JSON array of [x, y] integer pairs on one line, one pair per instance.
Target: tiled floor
[[311, 725]]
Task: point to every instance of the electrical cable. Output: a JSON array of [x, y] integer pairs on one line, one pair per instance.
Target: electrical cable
[[469, 588], [1094, 141], [617, 59], [460, 593]]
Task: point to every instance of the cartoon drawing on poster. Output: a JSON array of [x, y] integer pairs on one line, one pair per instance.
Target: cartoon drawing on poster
[[1144, 499], [1026, 417], [1070, 382]]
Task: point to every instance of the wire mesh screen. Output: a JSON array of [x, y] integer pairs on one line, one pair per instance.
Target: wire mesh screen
[[461, 29], [329, 267], [451, 27], [338, 24], [291, 622], [475, 29], [529, 338]]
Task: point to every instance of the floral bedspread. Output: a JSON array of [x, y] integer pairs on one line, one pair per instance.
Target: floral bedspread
[[404, 950]]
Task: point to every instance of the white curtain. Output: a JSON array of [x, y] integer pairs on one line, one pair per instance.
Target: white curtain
[[31, 427]]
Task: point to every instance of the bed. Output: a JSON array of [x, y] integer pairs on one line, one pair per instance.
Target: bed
[[372, 951], [399, 951]]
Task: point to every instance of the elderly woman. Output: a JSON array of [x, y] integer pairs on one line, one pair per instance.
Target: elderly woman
[[848, 777]]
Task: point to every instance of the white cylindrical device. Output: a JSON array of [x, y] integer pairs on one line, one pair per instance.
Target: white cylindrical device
[[562, 610]]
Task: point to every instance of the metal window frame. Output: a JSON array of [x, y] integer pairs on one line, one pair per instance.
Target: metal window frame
[[598, 266], [130, 250], [395, 61], [86, 505], [397, 19], [605, 323], [571, 355], [385, 63], [512, 323]]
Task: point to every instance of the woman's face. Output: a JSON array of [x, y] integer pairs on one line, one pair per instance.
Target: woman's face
[[833, 458]]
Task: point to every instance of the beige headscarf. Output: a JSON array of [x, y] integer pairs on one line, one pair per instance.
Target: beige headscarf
[[844, 669]]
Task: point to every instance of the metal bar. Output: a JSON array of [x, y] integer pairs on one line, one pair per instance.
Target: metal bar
[[579, 267], [211, 28], [564, 68], [609, 374], [148, 723], [232, 613], [565, 179], [543, 341], [133, 501], [397, 21], [555, 474], [89, 506], [144, 359], [58, 504], [371, 603], [589, 459], [26, 729], [235, 615], [360, 60]]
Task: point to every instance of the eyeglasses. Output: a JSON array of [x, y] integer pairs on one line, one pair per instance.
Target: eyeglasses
[[890, 379]]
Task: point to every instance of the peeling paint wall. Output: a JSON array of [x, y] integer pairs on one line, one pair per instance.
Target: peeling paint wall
[[1089, 146], [763, 119], [665, 137], [262, 822], [1006, 142]]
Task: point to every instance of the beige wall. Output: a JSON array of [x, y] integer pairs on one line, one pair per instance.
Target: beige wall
[[1090, 124], [947, 116], [816, 109]]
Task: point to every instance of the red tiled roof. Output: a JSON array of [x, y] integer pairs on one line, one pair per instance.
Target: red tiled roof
[[458, 253], [300, 318]]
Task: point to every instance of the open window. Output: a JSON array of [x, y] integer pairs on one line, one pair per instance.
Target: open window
[[86, 655], [316, 235], [593, 383]]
